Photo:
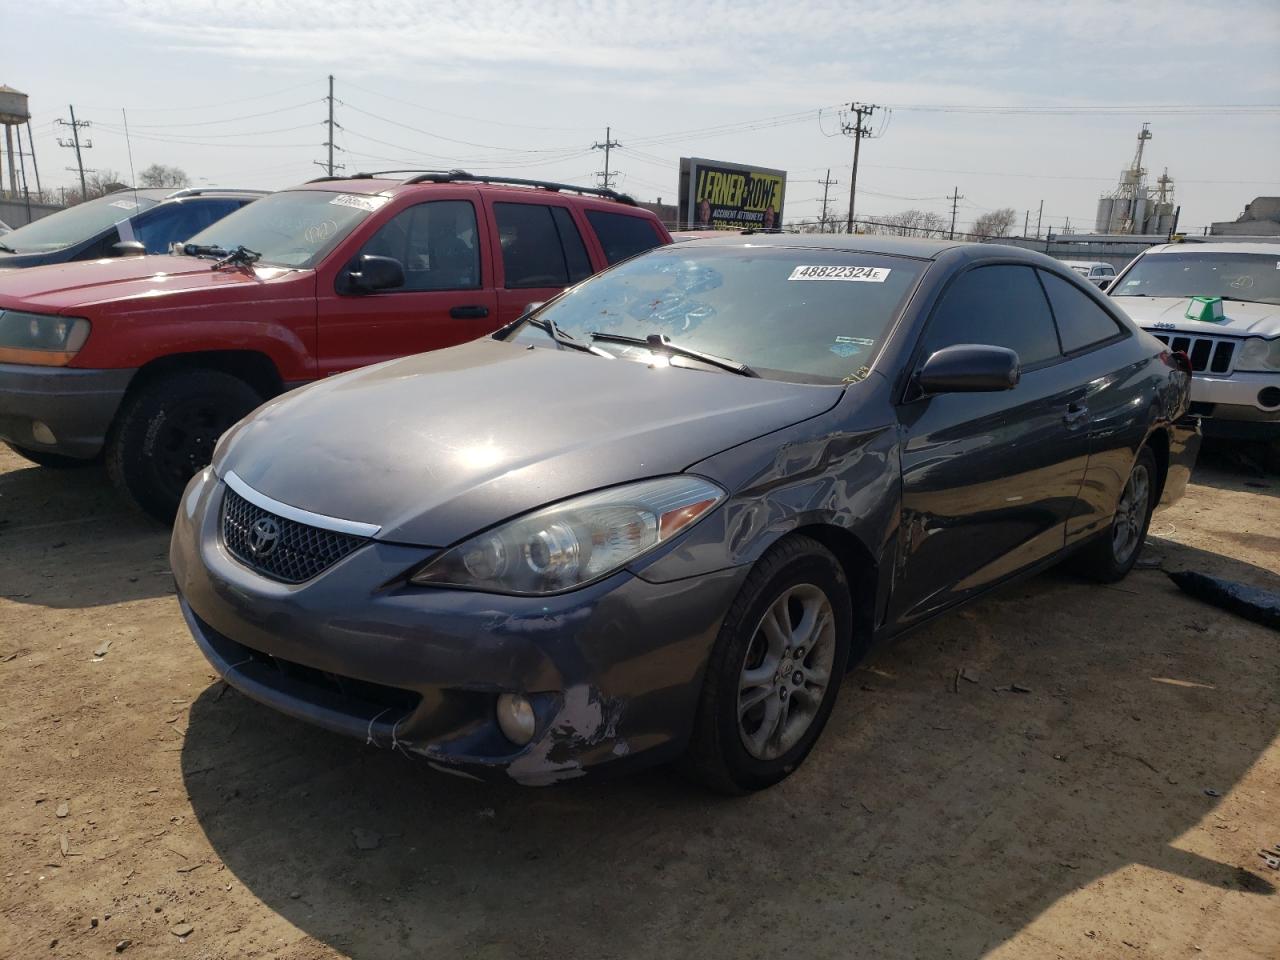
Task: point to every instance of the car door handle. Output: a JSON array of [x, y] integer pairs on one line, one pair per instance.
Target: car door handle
[[469, 312], [1075, 414]]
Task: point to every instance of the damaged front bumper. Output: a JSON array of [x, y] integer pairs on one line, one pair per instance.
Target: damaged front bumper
[[613, 670]]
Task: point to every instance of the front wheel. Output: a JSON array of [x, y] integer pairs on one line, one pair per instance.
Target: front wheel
[[775, 670], [165, 433], [1112, 556]]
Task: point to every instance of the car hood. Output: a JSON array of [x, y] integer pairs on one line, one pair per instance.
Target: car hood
[[65, 287], [1241, 318], [434, 447]]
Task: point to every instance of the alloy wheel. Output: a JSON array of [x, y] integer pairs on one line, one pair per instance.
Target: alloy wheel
[[786, 671], [1131, 514]]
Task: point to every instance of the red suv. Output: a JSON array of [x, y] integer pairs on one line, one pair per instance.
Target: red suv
[[150, 359]]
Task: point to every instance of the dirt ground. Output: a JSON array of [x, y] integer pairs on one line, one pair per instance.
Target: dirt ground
[[1114, 810]]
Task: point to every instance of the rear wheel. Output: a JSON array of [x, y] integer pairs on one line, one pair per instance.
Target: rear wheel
[[44, 458], [1112, 556], [165, 433], [775, 669]]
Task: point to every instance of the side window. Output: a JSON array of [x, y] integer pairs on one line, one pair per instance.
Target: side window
[[178, 222], [622, 236], [1081, 322], [530, 241], [435, 242], [575, 253], [1001, 305]]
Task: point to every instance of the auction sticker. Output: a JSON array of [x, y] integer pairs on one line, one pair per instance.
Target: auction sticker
[[359, 202], [860, 274]]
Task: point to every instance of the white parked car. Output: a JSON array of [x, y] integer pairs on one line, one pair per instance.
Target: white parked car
[[1095, 271], [1220, 304]]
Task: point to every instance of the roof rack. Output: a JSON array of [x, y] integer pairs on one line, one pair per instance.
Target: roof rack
[[461, 176]]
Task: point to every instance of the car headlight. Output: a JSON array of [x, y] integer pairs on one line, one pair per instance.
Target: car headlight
[[1259, 354], [39, 338], [575, 541]]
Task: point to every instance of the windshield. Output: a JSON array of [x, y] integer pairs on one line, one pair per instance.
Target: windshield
[[1232, 276], [74, 224], [295, 228], [791, 314]]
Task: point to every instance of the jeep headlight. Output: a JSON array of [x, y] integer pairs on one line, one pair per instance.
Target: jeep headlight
[[39, 338], [575, 541], [1257, 354]]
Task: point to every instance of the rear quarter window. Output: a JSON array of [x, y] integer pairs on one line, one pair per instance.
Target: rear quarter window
[[1081, 322], [621, 235]]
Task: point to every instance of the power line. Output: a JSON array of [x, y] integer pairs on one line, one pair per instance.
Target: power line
[[209, 123], [1188, 109], [459, 116], [188, 107], [438, 136]]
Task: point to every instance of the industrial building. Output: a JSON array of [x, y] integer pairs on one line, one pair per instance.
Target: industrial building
[[1260, 219], [1134, 207]]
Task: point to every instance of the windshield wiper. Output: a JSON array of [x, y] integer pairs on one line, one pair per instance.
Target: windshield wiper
[[203, 250], [563, 339], [241, 256], [661, 343], [6, 248]]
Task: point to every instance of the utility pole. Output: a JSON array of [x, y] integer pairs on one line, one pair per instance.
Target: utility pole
[[857, 130], [1026, 223], [329, 143], [606, 178], [827, 184], [75, 126], [1039, 217], [34, 166], [955, 198]]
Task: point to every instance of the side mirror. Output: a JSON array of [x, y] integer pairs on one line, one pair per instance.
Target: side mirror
[[969, 368], [373, 273], [129, 248], [1105, 282]]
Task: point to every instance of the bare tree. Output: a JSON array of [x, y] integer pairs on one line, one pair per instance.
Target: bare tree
[[99, 184], [997, 223], [910, 223], [159, 175]]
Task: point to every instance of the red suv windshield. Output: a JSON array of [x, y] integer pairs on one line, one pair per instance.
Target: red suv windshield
[[294, 228]]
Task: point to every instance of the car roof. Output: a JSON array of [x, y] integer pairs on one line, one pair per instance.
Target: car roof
[[1263, 247], [1086, 263], [857, 242], [161, 194]]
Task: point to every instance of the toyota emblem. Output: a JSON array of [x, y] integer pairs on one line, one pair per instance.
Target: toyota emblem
[[263, 537]]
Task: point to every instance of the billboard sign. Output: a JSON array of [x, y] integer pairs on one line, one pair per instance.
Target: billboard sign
[[717, 195]]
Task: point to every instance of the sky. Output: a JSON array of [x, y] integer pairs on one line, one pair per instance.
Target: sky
[[1011, 102]]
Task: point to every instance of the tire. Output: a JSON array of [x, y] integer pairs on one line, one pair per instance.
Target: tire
[[54, 461], [1111, 556], [165, 433], [736, 756]]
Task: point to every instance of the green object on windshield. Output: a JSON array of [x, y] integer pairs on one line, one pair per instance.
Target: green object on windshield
[[1206, 309]]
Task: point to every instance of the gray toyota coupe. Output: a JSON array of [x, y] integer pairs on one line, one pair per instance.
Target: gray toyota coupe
[[661, 515]]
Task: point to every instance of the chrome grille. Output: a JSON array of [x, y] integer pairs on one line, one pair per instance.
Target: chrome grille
[[1208, 354], [298, 551]]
